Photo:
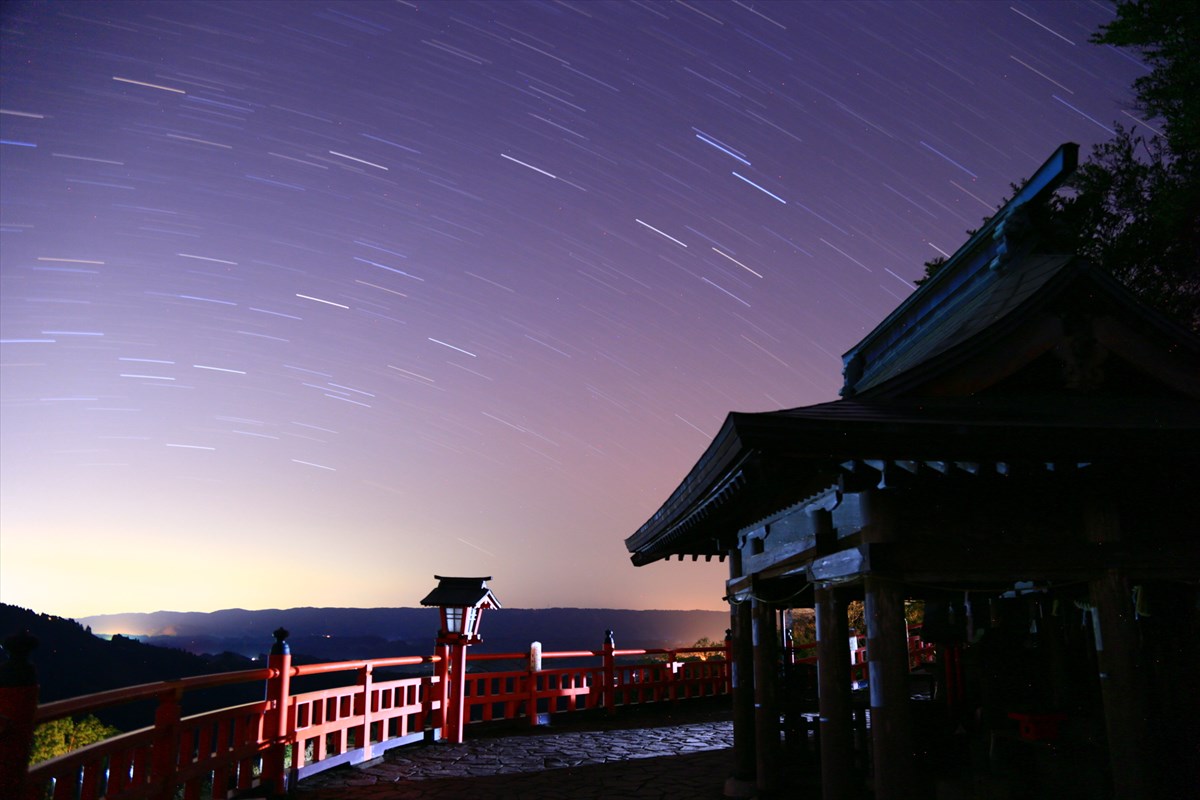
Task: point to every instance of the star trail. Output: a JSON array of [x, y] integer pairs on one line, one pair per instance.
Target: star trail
[[305, 302]]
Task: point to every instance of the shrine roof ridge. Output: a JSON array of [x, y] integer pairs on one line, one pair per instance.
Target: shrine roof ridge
[[973, 267]]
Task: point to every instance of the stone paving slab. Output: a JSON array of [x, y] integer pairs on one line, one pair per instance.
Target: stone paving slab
[[679, 760]]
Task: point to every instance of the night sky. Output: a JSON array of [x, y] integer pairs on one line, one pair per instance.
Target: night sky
[[306, 302]]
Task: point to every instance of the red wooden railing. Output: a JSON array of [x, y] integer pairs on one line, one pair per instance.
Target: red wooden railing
[[288, 736], [535, 694], [224, 746]]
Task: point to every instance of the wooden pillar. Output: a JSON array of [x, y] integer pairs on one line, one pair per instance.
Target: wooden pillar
[[1117, 653], [887, 654], [745, 745], [766, 696], [833, 687], [741, 667], [1124, 714]]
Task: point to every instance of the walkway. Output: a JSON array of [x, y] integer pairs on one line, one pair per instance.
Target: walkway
[[673, 755]]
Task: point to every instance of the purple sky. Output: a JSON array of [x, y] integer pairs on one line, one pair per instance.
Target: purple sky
[[305, 302]]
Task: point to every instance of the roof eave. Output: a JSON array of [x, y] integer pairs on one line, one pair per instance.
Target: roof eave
[[698, 490]]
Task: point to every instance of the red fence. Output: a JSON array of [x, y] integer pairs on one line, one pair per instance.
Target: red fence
[[288, 736]]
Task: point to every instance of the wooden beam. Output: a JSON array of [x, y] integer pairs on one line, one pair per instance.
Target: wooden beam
[[951, 561], [879, 512], [739, 589], [844, 565]]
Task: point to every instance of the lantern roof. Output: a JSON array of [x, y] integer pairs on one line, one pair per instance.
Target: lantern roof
[[470, 592]]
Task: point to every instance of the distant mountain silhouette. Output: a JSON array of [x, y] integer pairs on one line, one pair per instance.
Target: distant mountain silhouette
[[350, 633]]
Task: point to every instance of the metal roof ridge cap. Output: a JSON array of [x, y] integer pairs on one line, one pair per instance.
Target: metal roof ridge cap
[[1045, 178]]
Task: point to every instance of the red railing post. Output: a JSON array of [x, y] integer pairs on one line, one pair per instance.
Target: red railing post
[[456, 693], [18, 704], [165, 752], [728, 655], [531, 689], [610, 674], [674, 667], [276, 727], [365, 680], [441, 674]]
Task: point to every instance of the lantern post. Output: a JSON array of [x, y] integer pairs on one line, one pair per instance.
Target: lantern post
[[461, 602]]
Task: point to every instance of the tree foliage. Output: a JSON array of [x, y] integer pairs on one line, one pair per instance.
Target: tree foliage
[[704, 641], [1133, 207], [1132, 212], [1167, 33], [61, 736], [914, 614], [804, 629]]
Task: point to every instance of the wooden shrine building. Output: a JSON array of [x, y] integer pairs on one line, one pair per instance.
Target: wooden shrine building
[[1018, 446]]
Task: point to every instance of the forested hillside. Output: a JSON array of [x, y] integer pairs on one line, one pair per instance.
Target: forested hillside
[[70, 661]]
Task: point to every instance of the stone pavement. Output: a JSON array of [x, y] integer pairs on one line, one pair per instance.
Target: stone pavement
[[680, 754]]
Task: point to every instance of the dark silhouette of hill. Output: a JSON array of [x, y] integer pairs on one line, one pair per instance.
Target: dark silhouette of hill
[[352, 633], [71, 661]]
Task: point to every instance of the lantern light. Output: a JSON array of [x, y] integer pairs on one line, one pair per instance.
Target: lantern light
[[461, 601]]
